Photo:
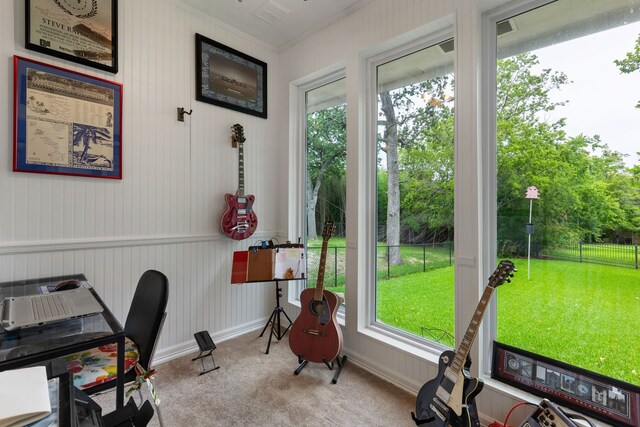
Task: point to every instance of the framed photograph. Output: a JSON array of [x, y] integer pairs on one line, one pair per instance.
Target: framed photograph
[[230, 79], [82, 31], [604, 398], [66, 122]]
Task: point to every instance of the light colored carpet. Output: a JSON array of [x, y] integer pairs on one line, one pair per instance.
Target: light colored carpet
[[252, 388]]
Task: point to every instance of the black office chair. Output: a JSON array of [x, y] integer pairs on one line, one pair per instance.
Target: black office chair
[[142, 328]]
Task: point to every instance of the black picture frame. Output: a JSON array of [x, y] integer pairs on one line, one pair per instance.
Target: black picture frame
[[84, 32], [66, 122], [599, 396], [229, 78]]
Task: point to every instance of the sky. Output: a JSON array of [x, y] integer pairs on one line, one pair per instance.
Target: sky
[[601, 99]]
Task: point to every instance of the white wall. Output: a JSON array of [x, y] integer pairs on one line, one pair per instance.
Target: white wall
[[164, 213]]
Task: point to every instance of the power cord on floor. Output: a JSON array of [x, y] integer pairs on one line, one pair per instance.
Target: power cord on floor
[[571, 416], [498, 424]]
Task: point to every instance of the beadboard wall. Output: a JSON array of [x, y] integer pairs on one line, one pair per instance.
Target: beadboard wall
[[164, 214]]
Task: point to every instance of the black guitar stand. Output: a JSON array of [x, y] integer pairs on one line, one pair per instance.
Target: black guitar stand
[[340, 361], [275, 319]]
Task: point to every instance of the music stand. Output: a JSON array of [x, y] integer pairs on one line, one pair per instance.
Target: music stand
[[206, 345], [275, 319]]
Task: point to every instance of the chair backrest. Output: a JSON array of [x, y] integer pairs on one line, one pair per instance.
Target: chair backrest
[[146, 314]]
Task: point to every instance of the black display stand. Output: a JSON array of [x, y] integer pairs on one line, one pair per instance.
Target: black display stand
[[275, 319], [340, 361]]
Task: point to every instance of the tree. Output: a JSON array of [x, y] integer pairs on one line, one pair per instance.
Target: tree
[[428, 175], [326, 156], [405, 113], [584, 185], [86, 135], [631, 62]]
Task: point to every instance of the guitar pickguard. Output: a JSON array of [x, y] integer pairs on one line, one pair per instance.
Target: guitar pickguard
[[321, 309]]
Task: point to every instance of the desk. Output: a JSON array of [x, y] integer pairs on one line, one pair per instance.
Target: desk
[[33, 345]]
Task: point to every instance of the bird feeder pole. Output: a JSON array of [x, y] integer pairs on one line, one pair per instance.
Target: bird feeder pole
[[532, 193]]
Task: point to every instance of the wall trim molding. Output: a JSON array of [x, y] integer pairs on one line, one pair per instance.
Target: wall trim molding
[[37, 246], [190, 347]]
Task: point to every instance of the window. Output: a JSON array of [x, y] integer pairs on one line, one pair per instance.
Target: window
[[326, 128], [415, 184], [567, 113]]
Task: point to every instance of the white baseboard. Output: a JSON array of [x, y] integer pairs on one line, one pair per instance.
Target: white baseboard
[[400, 381], [175, 351]]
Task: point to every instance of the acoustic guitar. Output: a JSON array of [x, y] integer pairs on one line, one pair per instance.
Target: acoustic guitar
[[449, 399], [239, 221], [315, 335]]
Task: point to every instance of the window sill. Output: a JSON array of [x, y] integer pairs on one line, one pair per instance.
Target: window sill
[[509, 391], [339, 316], [405, 344]]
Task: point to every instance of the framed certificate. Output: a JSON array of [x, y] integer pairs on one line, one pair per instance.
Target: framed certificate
[[66, 122], [82, 31]]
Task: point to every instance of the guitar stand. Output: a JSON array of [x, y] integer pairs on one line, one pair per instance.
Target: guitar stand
[[339, 360], [275, 319]]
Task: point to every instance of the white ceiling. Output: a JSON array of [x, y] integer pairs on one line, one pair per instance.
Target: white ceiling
[[277, 22]]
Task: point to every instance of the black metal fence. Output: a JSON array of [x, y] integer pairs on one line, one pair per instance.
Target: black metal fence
[[415, 259], [595, 253], [423, 257]]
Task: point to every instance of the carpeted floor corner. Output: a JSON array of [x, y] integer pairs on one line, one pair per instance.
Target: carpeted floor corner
[[252, 388]]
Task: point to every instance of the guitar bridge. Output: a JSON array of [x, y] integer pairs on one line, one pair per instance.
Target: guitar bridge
[[314, 332]]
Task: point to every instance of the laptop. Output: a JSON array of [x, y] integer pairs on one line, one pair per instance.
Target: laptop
[[40, 309]]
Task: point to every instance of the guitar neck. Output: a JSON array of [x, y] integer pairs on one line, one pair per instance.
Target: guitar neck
[[320, 283], [472, 330], [241, 170]]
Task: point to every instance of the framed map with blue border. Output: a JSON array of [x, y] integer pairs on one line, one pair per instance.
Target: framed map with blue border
[[231, 79], [66, 122]]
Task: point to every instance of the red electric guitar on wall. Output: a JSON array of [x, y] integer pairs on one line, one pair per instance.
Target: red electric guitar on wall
[[239, 221], [315, 335]]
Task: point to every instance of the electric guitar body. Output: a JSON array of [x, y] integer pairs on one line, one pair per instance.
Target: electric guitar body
[[239, 221], [315, 334], [470, 389]]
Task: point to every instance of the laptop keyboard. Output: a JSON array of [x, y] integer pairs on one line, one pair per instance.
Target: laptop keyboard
[[49, 306]]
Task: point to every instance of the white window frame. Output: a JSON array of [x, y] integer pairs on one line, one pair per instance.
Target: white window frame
[[367, 152], [298, 155], [488, 114]]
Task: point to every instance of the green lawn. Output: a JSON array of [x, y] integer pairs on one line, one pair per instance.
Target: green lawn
[[584, 314]]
